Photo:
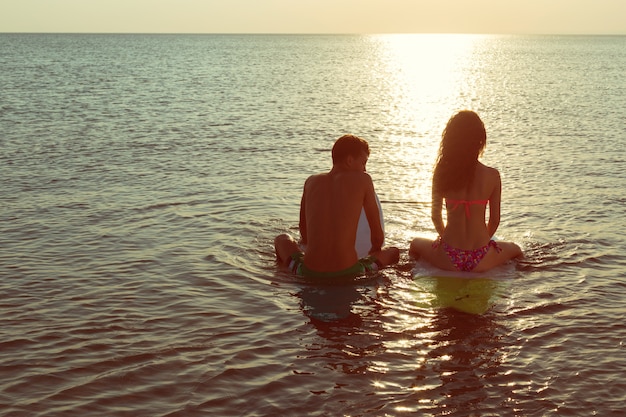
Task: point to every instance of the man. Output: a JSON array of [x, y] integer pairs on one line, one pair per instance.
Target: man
[[329, 215]]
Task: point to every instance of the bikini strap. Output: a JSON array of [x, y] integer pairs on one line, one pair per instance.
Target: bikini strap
[[494, 244], [466, 203]]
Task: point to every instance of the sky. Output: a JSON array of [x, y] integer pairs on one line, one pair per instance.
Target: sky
[[315, 16]]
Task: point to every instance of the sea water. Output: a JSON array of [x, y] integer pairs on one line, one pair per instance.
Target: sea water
[[144, 178]]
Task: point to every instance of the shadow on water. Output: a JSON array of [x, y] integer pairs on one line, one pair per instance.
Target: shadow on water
[[334, 301], [346, 320], [329, 304]]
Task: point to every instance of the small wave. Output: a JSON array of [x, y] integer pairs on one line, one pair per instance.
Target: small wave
[[419, 203], [562, 254], [548, 308], [163, 205]]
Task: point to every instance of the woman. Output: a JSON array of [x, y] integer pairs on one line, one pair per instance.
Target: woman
[[467, 186]]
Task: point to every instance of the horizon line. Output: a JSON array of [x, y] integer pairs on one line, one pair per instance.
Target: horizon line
[[315, 33]]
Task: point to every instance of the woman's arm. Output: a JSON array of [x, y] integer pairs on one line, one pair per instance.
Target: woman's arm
[[436, 212], [494, 205]]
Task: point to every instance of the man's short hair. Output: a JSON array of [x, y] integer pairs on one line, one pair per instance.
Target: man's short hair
[[349, 145]]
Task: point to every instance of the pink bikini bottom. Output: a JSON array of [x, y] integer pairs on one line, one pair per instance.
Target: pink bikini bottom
[[466, 259]]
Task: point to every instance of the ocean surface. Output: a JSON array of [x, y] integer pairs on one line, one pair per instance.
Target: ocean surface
[[144, 178]]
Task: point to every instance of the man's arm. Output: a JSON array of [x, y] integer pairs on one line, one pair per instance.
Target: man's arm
[[302, 223], [372, 213]]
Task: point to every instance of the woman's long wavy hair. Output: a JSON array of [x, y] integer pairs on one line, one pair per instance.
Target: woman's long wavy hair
[[462, 142]]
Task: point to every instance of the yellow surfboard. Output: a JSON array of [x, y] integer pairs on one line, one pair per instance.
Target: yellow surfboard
[[468, 292]]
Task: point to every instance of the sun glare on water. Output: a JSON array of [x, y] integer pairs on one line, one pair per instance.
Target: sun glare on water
[[426, 79]]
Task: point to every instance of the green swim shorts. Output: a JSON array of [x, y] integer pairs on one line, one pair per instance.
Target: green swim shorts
[[362, 266]]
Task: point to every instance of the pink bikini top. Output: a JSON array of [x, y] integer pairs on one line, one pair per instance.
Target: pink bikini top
[[466, 203]]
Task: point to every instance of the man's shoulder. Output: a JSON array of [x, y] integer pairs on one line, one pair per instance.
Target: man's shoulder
[[316, 177], [357, 175], [363, 177], [343, 180], [341, 176], [353, 179]]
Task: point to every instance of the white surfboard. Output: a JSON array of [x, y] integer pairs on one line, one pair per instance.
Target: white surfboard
[[363, 233]]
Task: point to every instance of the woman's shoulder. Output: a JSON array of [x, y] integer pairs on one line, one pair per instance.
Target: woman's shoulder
[[488, 171], [489, 178]]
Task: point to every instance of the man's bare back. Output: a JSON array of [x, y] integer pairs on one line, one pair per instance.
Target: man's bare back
[[330, 210], [329, 214]]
